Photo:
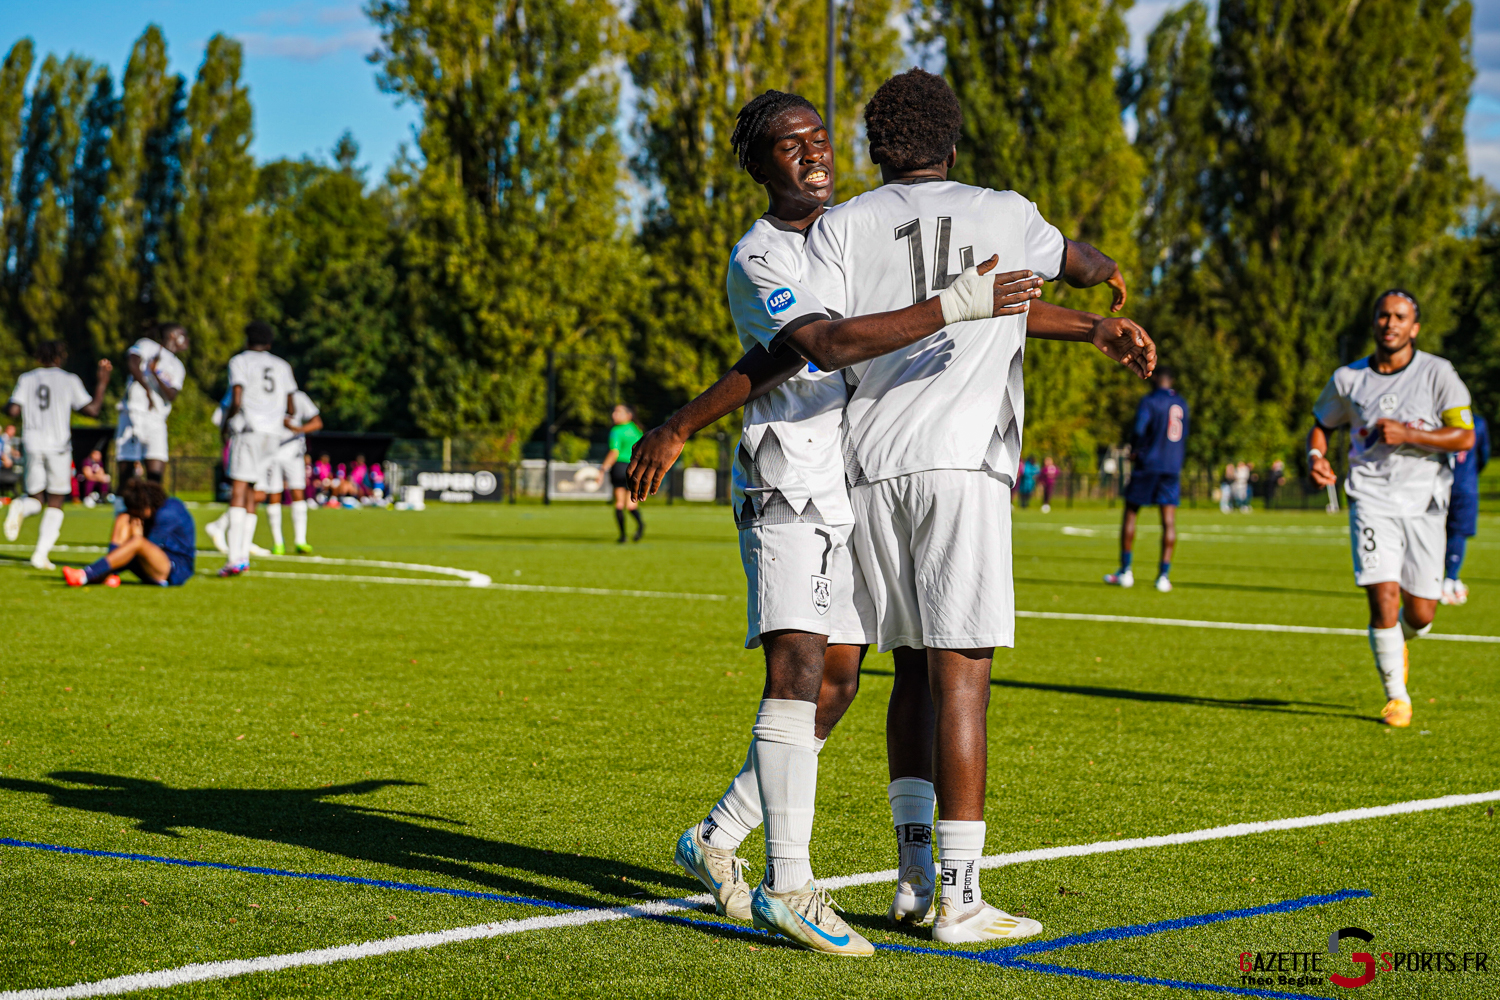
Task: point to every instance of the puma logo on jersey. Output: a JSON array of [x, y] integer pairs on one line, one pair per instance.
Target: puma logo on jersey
[[758, 256]]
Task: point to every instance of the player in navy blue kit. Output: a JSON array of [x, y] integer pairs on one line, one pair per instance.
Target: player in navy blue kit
[[1161, 430], [1463, 510], [155, 538]]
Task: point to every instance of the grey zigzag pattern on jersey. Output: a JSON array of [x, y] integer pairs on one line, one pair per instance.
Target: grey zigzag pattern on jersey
[[768, 470]]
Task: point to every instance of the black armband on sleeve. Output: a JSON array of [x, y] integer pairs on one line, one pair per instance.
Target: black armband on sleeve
[[781, 337]]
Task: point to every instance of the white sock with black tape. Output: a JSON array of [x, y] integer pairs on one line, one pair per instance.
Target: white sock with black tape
[[960, 846], [913, 802], [786, 764], [1390, 659]]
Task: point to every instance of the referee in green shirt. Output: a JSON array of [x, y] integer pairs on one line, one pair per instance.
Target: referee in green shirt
[[622, 440]]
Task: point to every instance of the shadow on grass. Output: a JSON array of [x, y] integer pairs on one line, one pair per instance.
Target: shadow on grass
[[306, 817], [1277, 705]]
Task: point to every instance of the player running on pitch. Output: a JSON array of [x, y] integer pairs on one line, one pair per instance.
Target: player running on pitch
[[154, 538], [933, 443], [156, 377], [261, 387], [1406, 411], [45, 399], [794, 517], [1160, 445]]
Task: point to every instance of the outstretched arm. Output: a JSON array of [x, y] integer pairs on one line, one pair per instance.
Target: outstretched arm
[[752, 376], [101, 383], [1084, 266], [1121, 340]]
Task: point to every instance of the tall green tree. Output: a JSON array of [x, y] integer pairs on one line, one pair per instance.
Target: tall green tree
[[56, 122], [1343, 171], [206, 265], [514, 244], [696, 64], [14, 72], [328, 281], [1473, 345], [148, 112], [1037, 82]]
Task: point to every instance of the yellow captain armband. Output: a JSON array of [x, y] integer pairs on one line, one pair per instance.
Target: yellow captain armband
[[1459, 416]]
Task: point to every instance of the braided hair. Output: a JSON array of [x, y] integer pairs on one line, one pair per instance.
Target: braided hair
[[755, 119]]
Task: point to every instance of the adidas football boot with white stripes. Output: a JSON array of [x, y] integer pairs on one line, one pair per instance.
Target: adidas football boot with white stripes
[[806, 916], [983, 923], [721, 873]]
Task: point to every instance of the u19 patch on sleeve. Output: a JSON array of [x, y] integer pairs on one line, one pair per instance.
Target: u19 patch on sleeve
[[780, 301]]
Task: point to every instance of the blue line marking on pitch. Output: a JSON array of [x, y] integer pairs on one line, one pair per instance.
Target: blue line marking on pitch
[[378, 883]]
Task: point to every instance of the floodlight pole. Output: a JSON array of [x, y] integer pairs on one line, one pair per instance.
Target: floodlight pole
[[828, 82]]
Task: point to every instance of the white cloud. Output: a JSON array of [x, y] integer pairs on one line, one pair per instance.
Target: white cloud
[[308, 48]]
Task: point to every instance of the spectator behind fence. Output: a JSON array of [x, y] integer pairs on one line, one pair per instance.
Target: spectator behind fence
[[357, 476], [93, 480], [1029, 470], [10, 460], [1050, 472], [375, 480]]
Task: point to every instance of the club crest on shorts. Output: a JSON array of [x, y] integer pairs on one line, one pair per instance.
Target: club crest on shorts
[[822, 593], [1388, 403], [1370, 560]]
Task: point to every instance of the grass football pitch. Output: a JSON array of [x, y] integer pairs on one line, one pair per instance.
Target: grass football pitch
[[532, 754]]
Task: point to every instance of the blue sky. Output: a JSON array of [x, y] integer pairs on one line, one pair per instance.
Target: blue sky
[[304, 62]]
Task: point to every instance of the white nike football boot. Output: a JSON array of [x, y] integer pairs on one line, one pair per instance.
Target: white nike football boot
[[39, 561], [1125, 579], [806, 916], [258, 550], [913, 903], [13, 520], [983, 923], [721, 873]]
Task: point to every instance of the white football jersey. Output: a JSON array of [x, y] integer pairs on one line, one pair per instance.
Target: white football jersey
[[303, 410], [48, 397], [169, 372], [267, 382], [789, 464], [953, 400], [1427, 394]]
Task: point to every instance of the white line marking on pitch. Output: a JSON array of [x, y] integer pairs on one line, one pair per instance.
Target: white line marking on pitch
[[1073, 616], [325, 956]]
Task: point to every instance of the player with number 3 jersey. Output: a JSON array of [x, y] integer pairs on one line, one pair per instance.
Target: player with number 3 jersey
[[1406, 411]]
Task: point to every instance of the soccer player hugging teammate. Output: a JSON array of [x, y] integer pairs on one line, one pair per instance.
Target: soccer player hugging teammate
[[792, 507], [154, 538], [261, 408], [44, 399], [156, 376], [1407, 411], [287, 470], [932, 445]]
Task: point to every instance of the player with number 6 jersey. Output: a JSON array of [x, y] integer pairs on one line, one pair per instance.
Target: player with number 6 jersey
[[1406, 411]]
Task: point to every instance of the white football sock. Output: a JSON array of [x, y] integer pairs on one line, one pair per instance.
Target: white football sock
[[1390, 659], [29, 506], [52, 519], [912, 805], [273, 515], [1407, 632], [737, 812], [786, 764], [221, 523], [960, 845], [239, 544], [299, 522]]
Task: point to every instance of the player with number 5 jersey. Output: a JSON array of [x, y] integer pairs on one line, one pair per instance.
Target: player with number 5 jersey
[[261, 388], [1406, 411]]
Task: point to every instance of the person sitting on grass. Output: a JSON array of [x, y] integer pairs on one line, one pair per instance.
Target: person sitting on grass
[[93, 479], [155, 538]]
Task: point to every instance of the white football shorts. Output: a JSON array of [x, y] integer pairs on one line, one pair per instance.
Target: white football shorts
[[935, 549], [141, 437], [250, 454], [49, 472], [287, 469], [802, 577], [1404, 550]]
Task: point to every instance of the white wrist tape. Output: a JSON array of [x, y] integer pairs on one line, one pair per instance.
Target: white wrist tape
[[971, 296]]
